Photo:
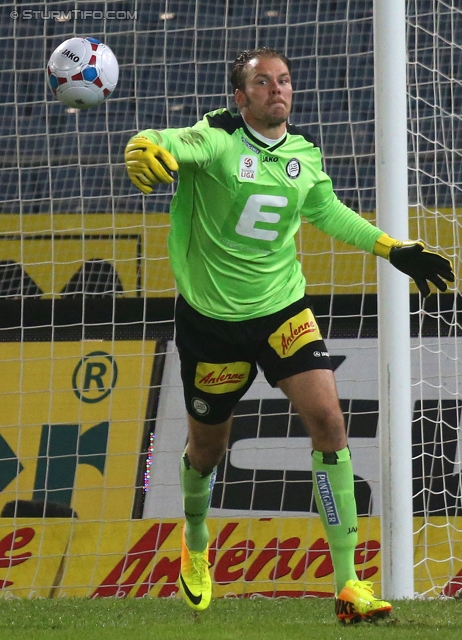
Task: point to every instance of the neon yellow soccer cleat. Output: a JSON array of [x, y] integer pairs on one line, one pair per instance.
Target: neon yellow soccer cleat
[[195, 581], [356, 602]]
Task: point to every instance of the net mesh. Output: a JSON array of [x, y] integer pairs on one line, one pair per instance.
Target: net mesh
[[83, 258]]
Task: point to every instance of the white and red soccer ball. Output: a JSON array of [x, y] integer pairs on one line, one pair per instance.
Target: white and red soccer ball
[[82, 72]]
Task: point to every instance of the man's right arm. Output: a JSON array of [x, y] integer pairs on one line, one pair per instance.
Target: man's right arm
[[152, 156], [148, 163]]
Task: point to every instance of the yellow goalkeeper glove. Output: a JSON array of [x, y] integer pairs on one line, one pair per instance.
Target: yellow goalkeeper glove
[[148, 164], [417, 262]]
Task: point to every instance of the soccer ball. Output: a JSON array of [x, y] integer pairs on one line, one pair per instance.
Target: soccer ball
[[82, 72]]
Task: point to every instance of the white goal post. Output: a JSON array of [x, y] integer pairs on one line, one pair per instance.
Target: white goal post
[[92, 420], [393, 301]]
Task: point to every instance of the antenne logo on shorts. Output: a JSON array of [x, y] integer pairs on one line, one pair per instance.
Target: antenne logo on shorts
[[294, 334], [221, 378]]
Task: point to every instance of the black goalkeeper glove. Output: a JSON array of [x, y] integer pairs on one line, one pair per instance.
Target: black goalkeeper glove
[[414, 260]]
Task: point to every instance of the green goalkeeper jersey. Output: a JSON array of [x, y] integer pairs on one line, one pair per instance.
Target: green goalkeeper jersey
[[236, 210]]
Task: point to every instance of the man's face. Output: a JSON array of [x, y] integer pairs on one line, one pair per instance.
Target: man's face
[[266, 99]]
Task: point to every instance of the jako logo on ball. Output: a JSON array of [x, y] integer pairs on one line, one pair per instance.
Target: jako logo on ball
[[82, 72]]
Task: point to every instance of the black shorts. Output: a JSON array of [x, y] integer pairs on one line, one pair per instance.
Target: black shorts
[[219, 358]]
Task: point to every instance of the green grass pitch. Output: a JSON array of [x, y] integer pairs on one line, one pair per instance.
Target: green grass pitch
[[228, 619]]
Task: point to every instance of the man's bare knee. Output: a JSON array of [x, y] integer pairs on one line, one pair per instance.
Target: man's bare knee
[[207, 444]]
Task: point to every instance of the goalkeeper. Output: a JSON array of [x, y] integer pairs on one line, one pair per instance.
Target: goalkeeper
[[245, 181]]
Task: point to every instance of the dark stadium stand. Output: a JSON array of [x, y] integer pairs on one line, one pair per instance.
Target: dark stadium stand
[[180, 74], [354, 181], [9, 188]]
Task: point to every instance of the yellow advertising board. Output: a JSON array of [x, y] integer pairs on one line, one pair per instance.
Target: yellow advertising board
[[52, 249], [267, 556], [72, 422], [31, 556]]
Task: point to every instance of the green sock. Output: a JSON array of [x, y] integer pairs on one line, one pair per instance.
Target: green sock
[[333, 486], [197, 493]]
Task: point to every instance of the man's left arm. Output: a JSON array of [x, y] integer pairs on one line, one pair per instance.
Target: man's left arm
[[420, 264], [326, 212]]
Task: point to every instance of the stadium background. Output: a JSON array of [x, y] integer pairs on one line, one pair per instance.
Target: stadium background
[[85, 282]]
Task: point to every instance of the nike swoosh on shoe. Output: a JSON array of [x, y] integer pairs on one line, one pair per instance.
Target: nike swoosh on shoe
[[194, 599]]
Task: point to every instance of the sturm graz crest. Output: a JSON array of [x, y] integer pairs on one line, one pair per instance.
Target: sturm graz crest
[[293, 168]]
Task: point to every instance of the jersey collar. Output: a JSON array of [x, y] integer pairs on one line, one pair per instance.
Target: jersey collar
[[259, 142]]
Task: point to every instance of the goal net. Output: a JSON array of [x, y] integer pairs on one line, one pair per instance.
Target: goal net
[[93, 422]]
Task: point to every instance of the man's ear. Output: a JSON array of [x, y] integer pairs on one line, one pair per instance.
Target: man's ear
[[240, 98]]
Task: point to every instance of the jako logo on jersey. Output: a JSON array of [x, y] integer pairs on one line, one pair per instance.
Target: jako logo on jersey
[[248, 167], [221, 378], [294, 334], [293, 168], [269, 159]]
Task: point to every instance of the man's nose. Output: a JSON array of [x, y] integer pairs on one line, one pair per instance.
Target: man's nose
[[275, 88]]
